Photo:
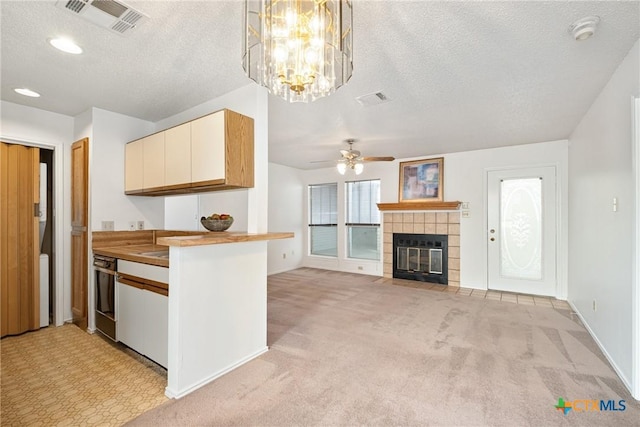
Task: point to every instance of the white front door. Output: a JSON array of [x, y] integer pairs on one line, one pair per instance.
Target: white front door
[[521, 230]]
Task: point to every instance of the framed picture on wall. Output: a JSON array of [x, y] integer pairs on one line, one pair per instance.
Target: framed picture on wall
[[421, 180]]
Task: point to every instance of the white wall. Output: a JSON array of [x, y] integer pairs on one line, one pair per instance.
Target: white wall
[[111, 132], [601, 240], [54, 131], [465, 181], [286, 203], [248, 207]]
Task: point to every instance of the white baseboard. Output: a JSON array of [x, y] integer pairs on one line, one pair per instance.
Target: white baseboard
[[284, 270], [613, 364], [177, 394]]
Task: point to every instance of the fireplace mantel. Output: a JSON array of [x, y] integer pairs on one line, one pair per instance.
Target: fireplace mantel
[[419, 206]]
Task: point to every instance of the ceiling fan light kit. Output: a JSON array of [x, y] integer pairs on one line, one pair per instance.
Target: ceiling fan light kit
[[351, 159], [300, 50]]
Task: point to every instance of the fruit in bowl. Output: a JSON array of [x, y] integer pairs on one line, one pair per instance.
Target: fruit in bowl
[[217, 222]]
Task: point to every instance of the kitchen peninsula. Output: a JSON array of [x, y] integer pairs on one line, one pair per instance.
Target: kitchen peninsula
[[217, 302], [217, 305]]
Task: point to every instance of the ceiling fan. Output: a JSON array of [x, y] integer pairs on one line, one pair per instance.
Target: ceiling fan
[[352, 159]]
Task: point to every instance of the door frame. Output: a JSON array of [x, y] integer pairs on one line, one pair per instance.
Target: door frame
[[635, 286], [58, 221], [561, 238]]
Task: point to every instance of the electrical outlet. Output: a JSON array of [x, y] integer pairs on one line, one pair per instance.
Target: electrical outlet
[[107, 226], [594, 305], [140, 225], [466, 214], [465, 205], [132, 225], [360, 267]]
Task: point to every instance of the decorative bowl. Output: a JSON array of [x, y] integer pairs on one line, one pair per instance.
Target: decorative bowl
[[216, 224]]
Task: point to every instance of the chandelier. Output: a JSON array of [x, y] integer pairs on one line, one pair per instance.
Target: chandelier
[[300, 50]]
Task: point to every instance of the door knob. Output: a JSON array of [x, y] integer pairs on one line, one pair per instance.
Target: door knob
[[492, 239]]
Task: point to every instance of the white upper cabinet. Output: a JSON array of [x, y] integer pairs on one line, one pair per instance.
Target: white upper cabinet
[[133, 161], [177, 155], [214, 152], [207, 148], [153, 165]]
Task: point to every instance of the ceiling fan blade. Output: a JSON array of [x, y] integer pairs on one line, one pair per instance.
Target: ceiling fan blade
[[322, 161], [378, 159]]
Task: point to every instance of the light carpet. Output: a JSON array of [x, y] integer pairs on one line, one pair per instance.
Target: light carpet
[[348, 350]]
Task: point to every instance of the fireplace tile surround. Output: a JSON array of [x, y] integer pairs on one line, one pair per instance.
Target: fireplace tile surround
[[447, 223]]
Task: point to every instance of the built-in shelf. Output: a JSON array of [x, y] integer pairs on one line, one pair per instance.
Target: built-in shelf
[[419, 206]]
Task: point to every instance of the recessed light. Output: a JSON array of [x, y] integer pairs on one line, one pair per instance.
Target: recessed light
[[584, 28], [66, 45], [27, 92]]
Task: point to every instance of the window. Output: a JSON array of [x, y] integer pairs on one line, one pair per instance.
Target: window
[[323, 219], [363, 219]]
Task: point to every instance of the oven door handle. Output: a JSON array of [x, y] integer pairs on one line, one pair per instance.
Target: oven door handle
[[104, 270]]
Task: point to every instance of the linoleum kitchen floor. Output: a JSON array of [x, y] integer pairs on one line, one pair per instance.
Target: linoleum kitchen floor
[[66, 377]]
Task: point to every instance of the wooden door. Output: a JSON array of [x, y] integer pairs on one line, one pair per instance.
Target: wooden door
[[19, 251], [79, 224]]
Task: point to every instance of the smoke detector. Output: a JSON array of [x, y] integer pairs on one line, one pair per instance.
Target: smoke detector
[[584, 28], [115, 16]]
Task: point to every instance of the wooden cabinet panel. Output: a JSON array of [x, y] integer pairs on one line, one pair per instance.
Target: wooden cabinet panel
[[208, 148], [153, 163], [79, 225], [79, 182], [133, 163], [79, 282], [177, 155]]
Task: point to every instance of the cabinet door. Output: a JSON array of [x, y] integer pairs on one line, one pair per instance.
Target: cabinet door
[[130, 328], [133, 163], [208, 148], [157, 323], [153, 165], [177, 155]]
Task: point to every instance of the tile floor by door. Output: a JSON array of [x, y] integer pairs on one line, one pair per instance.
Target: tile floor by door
[[66, 377]]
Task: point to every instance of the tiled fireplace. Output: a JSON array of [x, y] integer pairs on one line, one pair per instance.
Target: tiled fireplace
[[445, 223]]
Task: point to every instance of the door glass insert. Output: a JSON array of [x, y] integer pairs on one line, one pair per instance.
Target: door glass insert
[[521, 228]]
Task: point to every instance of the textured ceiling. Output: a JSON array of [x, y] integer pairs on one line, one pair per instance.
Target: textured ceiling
[[460, 75]]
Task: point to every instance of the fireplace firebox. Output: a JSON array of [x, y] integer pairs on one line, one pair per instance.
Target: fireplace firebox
[[421, 257]]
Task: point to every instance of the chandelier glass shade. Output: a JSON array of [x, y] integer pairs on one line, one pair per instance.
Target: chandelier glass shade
[[355, 165], [300, 50]]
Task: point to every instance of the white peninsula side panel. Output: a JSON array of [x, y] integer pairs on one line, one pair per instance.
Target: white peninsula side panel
[[217, 311]]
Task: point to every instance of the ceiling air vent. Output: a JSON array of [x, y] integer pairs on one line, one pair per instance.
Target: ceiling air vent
[[372, 99], [113, 15]]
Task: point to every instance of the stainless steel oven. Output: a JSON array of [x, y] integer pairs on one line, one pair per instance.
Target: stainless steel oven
[[105, 280]]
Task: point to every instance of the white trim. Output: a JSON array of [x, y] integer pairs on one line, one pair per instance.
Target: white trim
[[635, 264], [58, 220], [177, 394], [602, 348]]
